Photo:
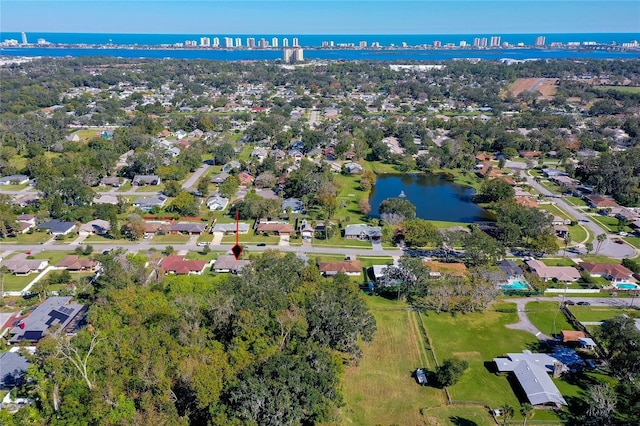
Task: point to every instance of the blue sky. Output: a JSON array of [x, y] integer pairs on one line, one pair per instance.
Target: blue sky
[[320, 17]]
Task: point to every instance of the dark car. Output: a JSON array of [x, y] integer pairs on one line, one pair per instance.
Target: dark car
[[570, 302], [584, 303], [261, 244]]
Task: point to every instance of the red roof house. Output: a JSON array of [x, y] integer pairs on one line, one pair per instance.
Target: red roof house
[[180, 266]]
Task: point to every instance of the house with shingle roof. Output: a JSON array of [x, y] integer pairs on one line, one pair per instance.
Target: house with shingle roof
[[348, 267], [191, 228], [610, 271], [146, 180], [53, 311], [559, 273], [57, 227], [20, 264], [178, 265], [75, 263], [228, 264]]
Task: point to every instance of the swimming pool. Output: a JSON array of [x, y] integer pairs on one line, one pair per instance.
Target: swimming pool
[[515, 285], [626, 286]]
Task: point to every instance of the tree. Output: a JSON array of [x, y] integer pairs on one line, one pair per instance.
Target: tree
[[495, 190], [507, 412], [230, 186], [601, 238], [450, 371], [545, 243], [397, 206], [481, 248], [364, 206], [601, 402], [567, 241], [589, 247], [526, 410], [420, 233], [203, 186], [172, 188], [185, 204]]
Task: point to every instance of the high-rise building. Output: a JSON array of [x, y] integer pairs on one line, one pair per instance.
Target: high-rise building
[[251, 42], [263, 43], [363, 45], [540, 41], [495, 41], [285, 42], [483, 42], [216, 42], [228, 42], [476, 42], [205, 41], [24, 38], [292, 54], [295, 42], [238, 42], [463, 43], [274, 42], [437, 43]]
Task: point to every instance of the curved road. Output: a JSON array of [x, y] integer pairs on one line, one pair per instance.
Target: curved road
[[608, 247]]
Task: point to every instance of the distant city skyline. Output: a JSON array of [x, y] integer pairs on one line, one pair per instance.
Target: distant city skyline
[[321, 17]]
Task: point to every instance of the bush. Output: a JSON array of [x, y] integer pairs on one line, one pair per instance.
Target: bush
[[450, 371]]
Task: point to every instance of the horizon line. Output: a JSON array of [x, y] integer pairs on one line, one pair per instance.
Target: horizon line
[[312, 34]]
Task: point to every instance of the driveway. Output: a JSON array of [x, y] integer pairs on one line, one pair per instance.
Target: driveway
[[523, 320], [190, 183], [608, 247]]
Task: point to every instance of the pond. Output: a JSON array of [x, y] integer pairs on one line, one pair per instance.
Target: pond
[[435, 197]]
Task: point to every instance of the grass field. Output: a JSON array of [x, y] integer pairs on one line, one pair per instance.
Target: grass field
[[27, 239], [98, 239], [53, 256], [17, 283], [601, 313], [381, 390], [250, 239], [576, 201], [558, 261], [625, 89], [542, 314], [170, 239], [634, 241]]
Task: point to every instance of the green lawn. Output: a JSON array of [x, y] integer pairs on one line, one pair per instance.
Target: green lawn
[[442, 224], [149, 188], [338, 241], [381, 390], [368, 261], [558, 261], [250, 239], [169, 239], [579, 234], [556, 211], [625, 89], [634, 241], [609, 223], [98, 239], [17, 283], [542, 315], [53, 256], [576, 201], [601, 313], [598, 258], [27, 239]]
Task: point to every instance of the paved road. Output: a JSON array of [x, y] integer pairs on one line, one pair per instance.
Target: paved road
[[313, 118], [523, 320], [144, 246], [190, 183], [608, 247]]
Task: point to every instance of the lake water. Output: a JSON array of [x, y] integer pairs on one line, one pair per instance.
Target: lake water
[[435, 197]]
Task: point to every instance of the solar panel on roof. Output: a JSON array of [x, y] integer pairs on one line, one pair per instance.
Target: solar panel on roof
[[55, 315], [32, 335]]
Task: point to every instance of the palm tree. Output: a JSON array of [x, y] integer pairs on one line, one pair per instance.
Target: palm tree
[[567, 241], [527, 412], [506, 411], [600, 238]]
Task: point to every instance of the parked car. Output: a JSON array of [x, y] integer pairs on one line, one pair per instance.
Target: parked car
[[570, 302], [584, 303], [421, 377], [203, 243], [261, 244]]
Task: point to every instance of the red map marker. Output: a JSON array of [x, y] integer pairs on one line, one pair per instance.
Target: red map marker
[[237, 249]]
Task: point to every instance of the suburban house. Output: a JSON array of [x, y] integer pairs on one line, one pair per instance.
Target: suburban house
[[14, 180], [97, 227], [306, 230], [561, 231], [217, 202], [220, 178], [441, 269], [353, 168], [13, 368], [113, 181], [230, 228], [611, 272], [190, 228], [141, 180], [21, 265], [233, 164], [511, 270], [25, 222], [53, 311], [559, 273], [57, 227], [348, 267], [294, 204], [178, 265], [245, 178], [362, 232], [600, 202], [267, 227], [75, 263], [572, 336], [531, 371], [227, 263], [147, 203]]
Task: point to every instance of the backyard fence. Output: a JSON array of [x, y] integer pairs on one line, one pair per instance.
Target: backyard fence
[[579, 326]]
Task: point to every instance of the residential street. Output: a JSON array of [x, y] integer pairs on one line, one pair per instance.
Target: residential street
[[608, 248]]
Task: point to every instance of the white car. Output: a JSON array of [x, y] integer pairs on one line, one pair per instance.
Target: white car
[[203, 243]]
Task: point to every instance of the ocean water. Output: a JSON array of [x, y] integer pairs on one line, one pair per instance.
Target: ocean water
[[317, 39], [132, 46]]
